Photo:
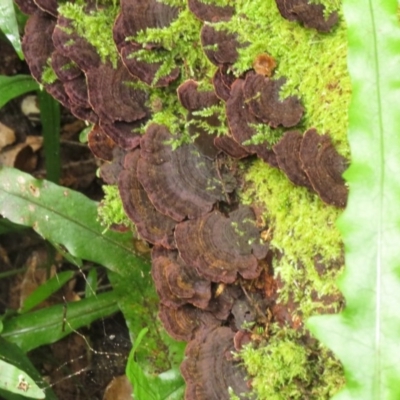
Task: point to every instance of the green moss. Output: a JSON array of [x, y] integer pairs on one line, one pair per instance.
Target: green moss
[[48, 75], [95, 27], [290, 367], [180, 46], [111, 210]]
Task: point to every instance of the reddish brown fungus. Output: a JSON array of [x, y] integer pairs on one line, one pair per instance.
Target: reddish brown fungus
[[100, 144], [262, 96], [222, 82], [324, 167], [176, 282], [64, 67], [182, 323], [112, 95], [310, 14], [125, 134], [49, 6], [219, 46], [264, 64], [150, 224], [240, 121], [287, 152], [210, 12], [228, 145], [220, 247], [180, 183], [194, 99], [209, 369]]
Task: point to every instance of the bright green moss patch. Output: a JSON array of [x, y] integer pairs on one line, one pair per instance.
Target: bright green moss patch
[[48, 75], [95, 27], [288, 368], [313, 63], [111, 210]]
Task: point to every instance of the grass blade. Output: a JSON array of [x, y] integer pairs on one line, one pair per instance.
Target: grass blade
[[9, 25], [14, 86]]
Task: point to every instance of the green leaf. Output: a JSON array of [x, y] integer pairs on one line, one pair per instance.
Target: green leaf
[[46, 290], [366, 335], [50, 324], [68, 218], [14, 86], [167, 386], [9, 25], [50, 119], [17, 381], [12, 354]]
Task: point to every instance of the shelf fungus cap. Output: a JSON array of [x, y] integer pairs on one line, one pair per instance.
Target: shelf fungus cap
[[177, 283], [100, 144], [222, 81], [220, 46], [262, 95], [311, 15], [240, 121], [324, 167], [210, 12], [112, 96], [209, 368], [287, 152], [180, 183], [70, 44], [49, 6], [123, 133], [194, 99], [64, 67], [182, 323], [220, 247], [152, 226], [37, 44]]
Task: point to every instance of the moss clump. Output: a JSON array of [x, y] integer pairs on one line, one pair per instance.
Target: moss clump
[[95, 27], [111, 210], [48, 75], [289, 369]]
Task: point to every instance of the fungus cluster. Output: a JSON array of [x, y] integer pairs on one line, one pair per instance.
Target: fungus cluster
[[205, 245]]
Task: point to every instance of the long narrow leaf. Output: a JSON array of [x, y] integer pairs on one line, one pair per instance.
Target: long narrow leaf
[[50, 324], [17, 381], [11, 353], [366, 335], [50, 118], [14, 86], [9, 25], [69, 219]]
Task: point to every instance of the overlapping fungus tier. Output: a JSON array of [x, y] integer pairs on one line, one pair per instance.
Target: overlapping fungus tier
[[220, 247], [181, 183], [205, 245]]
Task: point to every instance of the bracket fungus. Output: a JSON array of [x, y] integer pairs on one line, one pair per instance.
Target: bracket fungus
[[100, 144], [136, 16], [180, 183], [287, 152], [183, 322], [219, 46], [152, 226], [210, 12], [112, 95], [240, 121], [220, 247], [262, 96], [176, 282], [324, 167], [310, 14], [222, 81], [210, 370]]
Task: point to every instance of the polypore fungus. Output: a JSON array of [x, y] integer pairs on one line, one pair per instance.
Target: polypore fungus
[[182, 323], [180, 183], [220, 247], [262, 96], [287, 152], [324, 167], [241, 123], [210, 12], [222, 82], [176, 282], [220, 46], [209, 370], [113, 96], [136, 16], [152, 226], [310, 14], [100, 144]]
